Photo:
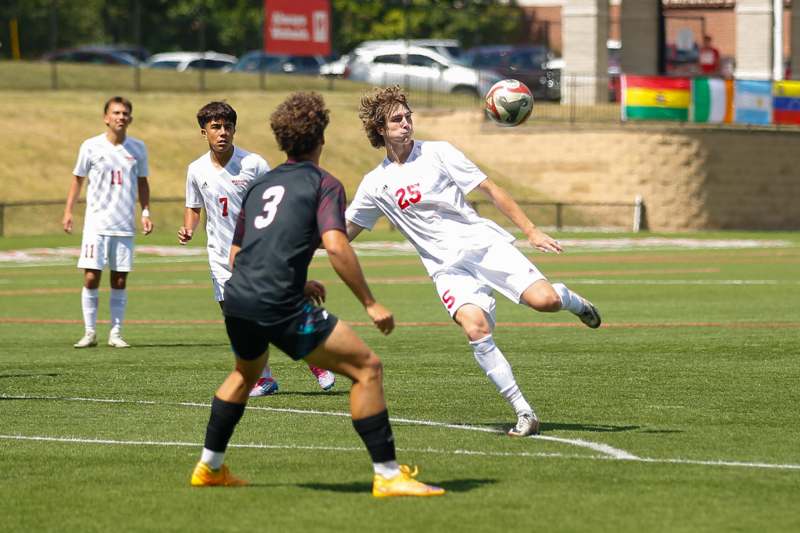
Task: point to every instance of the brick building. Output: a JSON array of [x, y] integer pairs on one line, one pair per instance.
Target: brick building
[[685, 21]]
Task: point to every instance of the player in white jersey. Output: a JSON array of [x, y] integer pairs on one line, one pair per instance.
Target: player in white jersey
[[421, 188], [116, 168], [216, 181]]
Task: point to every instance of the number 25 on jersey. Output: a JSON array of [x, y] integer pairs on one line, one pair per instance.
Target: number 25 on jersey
[[408, 195]]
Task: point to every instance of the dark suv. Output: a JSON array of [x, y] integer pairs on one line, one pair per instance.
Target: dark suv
[[525, 63]]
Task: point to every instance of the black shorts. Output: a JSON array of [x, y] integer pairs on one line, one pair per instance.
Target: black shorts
[[297, 337]]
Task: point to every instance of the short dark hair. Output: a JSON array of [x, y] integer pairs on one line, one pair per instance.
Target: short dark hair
[[216, 111], [375, 108], [118, 100], [299, 123]]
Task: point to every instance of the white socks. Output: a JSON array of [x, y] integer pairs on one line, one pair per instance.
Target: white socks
[[118, 301], [496, 367], [569, 300], [89, 307], [214, 460], [388, 470]]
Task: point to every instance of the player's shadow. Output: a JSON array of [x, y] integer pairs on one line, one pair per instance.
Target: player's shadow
[[314, 394], [181, 345], [563, 426], [41, 375], [451, 485], [591, 428]]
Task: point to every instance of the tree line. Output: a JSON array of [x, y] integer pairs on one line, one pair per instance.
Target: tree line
[[235, 26]]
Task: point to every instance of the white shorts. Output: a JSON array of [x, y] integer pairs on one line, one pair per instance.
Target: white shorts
[[219, 275], [471, 280], [97, 251]]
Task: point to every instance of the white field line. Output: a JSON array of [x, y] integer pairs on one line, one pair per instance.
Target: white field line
[[598, 447], [609, 452], [474, 453]]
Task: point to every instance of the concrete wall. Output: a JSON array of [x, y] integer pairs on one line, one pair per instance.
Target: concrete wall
[[690, 178]]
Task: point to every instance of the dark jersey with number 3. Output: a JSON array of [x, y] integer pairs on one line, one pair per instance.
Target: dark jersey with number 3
[[280, 225]]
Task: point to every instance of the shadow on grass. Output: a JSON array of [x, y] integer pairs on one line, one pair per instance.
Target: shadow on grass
[[312, 394], [140, 345], [42, 375], [563, 426], [452, 485]]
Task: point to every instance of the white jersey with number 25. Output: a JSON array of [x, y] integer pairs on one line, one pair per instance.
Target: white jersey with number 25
[[425, 199]]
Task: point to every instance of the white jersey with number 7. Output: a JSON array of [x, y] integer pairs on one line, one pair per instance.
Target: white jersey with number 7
[[219, 191]]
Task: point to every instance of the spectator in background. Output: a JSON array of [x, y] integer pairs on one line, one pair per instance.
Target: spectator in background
[[708, 58]]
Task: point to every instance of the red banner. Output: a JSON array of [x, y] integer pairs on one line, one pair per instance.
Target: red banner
[[297, 27]]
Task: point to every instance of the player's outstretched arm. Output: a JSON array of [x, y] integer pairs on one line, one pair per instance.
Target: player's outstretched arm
[[72, 197], [344, 261], [506, 204], [191, 218]]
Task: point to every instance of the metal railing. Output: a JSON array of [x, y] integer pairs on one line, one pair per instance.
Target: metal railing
[[39, 217]]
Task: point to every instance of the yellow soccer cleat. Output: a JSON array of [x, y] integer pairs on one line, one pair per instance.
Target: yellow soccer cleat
[[203, 476], [403, 485]]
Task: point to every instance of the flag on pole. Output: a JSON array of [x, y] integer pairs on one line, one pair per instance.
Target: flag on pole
[[752, 102], [786, 102], [655, 98], [712, 100]]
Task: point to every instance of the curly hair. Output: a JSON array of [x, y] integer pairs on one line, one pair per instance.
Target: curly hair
[[216, 111], [299, 123], [375, 108]]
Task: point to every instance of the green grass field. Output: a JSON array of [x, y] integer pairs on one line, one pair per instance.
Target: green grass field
[[679, 414]]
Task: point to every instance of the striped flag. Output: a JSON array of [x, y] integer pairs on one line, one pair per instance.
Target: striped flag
[[655, 98], [752, 102], [786, 102], [712, 100]]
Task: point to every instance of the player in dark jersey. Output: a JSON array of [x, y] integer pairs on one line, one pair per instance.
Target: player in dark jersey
[[285, 216]]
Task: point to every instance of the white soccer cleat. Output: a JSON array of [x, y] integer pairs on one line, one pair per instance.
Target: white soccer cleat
[[590, 315], [87, 341], [116, 341], [527, 424], [326, 380], [264, 387]]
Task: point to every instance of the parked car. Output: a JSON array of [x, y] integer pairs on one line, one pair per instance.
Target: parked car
[[450, 48], [98, 55], [260, 61], [614, 70], [527, 64], [182, 61], [336, 67], [417, 67]]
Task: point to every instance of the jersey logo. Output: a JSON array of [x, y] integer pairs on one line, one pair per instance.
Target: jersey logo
[[204, 185]]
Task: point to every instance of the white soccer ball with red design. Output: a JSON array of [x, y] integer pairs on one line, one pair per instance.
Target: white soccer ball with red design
[[509, 103]]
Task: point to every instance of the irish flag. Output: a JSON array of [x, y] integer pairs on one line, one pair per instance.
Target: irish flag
[[786, 102], [712, 100], [655, 98]]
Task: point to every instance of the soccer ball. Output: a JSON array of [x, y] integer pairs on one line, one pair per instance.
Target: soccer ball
[[509, 103]]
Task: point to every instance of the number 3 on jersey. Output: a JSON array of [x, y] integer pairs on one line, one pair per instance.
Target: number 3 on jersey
[[272, 198]]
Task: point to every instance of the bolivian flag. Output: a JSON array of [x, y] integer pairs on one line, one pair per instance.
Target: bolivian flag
[[712, 100], [786, 102], [655, 98]]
